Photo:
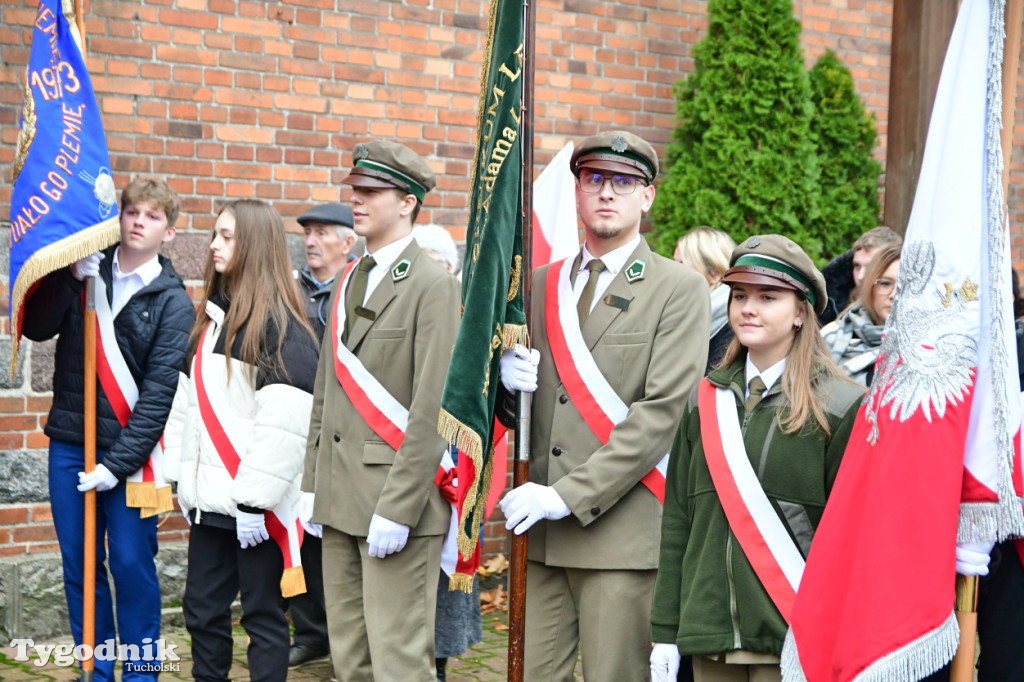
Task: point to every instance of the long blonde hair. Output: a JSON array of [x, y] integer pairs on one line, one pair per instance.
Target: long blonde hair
[[808, 361], [259, 285]]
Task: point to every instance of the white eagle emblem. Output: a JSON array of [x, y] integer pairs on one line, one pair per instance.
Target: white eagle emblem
[[916, 369]]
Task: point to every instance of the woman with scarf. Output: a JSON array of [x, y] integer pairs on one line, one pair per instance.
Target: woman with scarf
[[707, 251]]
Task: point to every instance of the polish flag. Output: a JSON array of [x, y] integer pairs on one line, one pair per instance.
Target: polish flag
[[555, 230]]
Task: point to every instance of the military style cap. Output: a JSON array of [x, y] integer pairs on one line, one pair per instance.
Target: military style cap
[[382, 163], [777, 261], [617, 151], [328, 214]]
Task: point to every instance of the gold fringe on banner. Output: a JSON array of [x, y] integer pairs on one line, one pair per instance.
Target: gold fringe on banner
[[469, 443], [140, 494], [53, 257], [515, 333], [293, 582], [460, 582], [164, 503]]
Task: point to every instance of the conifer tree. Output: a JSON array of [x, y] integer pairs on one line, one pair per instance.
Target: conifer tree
[[845, 135], [742, 157]]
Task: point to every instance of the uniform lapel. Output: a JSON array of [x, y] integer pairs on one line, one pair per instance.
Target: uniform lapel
[[379, 300], [616, 298]]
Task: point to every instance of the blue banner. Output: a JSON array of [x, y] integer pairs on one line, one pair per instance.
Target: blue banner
[[64, 204]]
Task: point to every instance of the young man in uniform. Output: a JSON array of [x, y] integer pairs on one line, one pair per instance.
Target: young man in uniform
[[373, 448], [622, 338]]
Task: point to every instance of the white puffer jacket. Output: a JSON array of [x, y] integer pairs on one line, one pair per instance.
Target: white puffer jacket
[[265, 420]]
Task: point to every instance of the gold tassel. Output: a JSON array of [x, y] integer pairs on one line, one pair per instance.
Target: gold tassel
[[293, 582], [469, 443], [460, 582], [140, 494], [513, 334], [164, 503]]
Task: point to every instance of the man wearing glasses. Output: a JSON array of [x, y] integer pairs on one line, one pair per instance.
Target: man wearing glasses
[[621, 338]]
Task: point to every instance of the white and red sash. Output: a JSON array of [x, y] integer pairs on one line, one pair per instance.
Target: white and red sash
[[764, 539], [145, 489], [389, 418], [282, 522], [597, 402]]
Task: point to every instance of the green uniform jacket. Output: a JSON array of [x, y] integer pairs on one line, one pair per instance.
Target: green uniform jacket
[[708, 600]]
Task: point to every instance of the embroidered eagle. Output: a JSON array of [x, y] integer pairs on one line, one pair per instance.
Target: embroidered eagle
[[918, 370]]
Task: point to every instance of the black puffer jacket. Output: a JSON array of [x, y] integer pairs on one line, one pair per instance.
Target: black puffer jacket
[[152, 330]]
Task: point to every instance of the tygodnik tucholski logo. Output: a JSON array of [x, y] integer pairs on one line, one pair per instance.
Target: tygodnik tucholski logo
[[152, 656]]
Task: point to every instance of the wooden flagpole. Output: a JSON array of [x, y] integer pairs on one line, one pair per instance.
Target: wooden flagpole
[[962, 667], [89, 398], [521, 468]]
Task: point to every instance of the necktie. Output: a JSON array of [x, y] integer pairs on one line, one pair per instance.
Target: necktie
[[757, 389], [595, 266], [358, 291]]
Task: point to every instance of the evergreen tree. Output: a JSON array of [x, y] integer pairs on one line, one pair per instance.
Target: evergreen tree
[[845, 134], [742, 157]]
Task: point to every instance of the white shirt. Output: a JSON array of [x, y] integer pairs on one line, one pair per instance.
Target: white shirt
[[127, 284], [384, 258], [769, 376], [613, 261]]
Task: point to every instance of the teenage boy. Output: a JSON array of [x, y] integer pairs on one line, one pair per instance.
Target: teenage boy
[[151, 317], [392, 325]]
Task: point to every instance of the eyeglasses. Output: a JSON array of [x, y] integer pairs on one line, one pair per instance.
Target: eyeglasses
[[592, 182], [884, 285]]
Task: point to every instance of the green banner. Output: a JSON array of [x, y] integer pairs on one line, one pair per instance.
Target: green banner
[[492, 300]]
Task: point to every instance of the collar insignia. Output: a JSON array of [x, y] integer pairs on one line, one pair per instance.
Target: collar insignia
[[753, 242], [636, 271], [361, 152], [619, 144], [401, 270]]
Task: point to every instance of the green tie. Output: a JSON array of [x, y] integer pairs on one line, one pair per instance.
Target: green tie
[[595, 266], [757, 389], [358, 291]]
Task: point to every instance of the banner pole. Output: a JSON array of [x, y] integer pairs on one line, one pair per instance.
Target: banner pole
[[89, 560], [521, 468], [962, 666]]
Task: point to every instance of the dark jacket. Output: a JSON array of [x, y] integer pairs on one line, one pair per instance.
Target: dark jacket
[[838, 274], [708, 599], [152, 330], [315, 297]]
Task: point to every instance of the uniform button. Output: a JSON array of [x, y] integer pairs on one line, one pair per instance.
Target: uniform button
[[337, 438], [563, 399], [596, 511], [556, 451]]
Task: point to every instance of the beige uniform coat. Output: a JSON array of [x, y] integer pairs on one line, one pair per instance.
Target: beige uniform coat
[[652, 353], [407, 347]]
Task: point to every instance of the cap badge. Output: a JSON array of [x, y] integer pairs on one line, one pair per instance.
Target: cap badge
[[361, 152], [619, 144], [753, 242], [636, 271], [401, 270]]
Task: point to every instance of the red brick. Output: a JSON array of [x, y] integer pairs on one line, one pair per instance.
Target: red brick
[[11, 441], [12, 405], [10, 516], [41, 512], [14, 550], [37, 441], [41, 533]]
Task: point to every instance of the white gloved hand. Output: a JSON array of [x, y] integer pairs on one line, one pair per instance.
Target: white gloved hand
[[306, 516], [251, 529], [528, 504], [972, 557], [87, 267], [386, 537], [99, 478], [518, 368], [664, 662]]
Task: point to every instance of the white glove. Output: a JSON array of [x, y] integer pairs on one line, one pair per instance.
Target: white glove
[[251, 529], [306, 516], [87, 267], [528, 504], [664, 662], [518, 368], [99, 478], [972, 557], [386, 537]]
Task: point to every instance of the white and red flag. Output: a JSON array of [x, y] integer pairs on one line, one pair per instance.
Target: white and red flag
[[555, 230], [931, 459]]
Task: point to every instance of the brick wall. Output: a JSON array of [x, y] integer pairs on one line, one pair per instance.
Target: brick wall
[[237, 98]]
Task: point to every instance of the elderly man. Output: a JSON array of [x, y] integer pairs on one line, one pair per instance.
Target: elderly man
[[329, 240]]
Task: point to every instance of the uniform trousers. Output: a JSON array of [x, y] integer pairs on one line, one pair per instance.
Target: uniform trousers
[[132, 550], [307, 609], [218, 570], [709, 670], [380, 612], [605, 614]]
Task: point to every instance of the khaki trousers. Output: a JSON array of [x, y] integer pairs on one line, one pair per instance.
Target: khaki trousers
[[606, 614], [380, 612], [708, 670]]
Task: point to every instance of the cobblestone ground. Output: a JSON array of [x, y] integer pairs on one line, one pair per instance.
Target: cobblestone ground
[[485, 662]]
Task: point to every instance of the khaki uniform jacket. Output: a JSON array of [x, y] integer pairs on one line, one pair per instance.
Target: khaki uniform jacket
[[407, 347], [652, 353]]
